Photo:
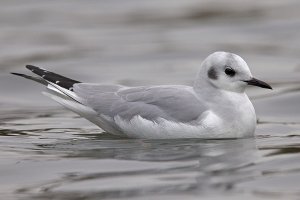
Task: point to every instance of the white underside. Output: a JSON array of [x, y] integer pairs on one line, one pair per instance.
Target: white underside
[[139, 127], [210, 127]]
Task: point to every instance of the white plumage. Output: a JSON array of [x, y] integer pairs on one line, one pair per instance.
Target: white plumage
[[215, 107]]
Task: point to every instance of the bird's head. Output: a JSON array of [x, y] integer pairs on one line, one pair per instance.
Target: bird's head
[[229, 71]]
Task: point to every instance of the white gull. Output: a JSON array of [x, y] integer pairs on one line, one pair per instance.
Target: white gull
[[216, 106]]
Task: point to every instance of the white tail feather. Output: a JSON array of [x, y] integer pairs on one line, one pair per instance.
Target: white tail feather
[[86, 112]]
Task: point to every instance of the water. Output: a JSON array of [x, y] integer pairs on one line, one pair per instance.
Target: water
[[47, 152]]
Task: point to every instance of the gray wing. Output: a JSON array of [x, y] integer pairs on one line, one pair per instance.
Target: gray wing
[[176, 103]]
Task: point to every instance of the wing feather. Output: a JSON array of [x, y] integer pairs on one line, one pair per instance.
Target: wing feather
[[172, 103]]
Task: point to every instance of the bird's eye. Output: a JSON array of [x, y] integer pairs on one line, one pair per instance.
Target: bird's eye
[[229, 71]]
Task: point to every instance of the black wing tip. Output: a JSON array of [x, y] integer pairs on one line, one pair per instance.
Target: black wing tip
[[14, 73], [52, 77], [32, 67], [17, 74], [29, 66]]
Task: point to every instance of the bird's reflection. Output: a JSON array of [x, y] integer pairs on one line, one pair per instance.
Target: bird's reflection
[[168, 166], [229, 152]]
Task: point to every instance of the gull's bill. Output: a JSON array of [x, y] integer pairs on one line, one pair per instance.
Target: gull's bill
[[258, 83]]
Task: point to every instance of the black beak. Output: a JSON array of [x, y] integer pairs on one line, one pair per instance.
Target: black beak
[[258, 83]]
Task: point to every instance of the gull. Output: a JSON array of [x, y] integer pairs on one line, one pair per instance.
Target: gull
[[215, 107]]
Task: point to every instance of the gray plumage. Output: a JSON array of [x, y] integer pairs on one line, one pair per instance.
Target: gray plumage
[[174, 103]]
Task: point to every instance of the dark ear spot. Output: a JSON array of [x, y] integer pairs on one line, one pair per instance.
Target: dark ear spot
[[212, 74]]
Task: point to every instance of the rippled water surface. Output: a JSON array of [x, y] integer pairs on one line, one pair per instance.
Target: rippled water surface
[[47, 152]]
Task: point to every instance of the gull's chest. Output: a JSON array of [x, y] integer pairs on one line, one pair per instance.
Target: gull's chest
[[243, 118], [237, 116]]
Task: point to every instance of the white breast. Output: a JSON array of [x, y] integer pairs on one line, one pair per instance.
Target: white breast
[[239, 116], [246, 120]]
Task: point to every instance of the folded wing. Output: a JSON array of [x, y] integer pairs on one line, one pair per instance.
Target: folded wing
[[152, 103]]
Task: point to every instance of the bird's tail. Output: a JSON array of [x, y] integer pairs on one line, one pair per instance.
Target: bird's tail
[[59, 84], [46, 76], [59, 88], [34, 78]]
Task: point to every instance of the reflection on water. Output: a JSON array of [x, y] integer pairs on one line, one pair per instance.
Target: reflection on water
[[63, 163], [51, 153], [165, 167]]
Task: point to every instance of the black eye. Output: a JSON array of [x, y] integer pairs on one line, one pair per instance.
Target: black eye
[[229, 71]]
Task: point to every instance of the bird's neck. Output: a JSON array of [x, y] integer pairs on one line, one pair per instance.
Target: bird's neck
[[213, 94], [203, 86]]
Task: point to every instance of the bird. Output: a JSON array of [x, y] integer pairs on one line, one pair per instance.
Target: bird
[[214, 107]]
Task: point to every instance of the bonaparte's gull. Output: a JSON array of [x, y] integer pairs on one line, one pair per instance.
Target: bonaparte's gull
[[216, 106]]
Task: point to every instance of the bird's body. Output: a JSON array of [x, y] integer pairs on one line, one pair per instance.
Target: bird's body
[[208, 109]]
